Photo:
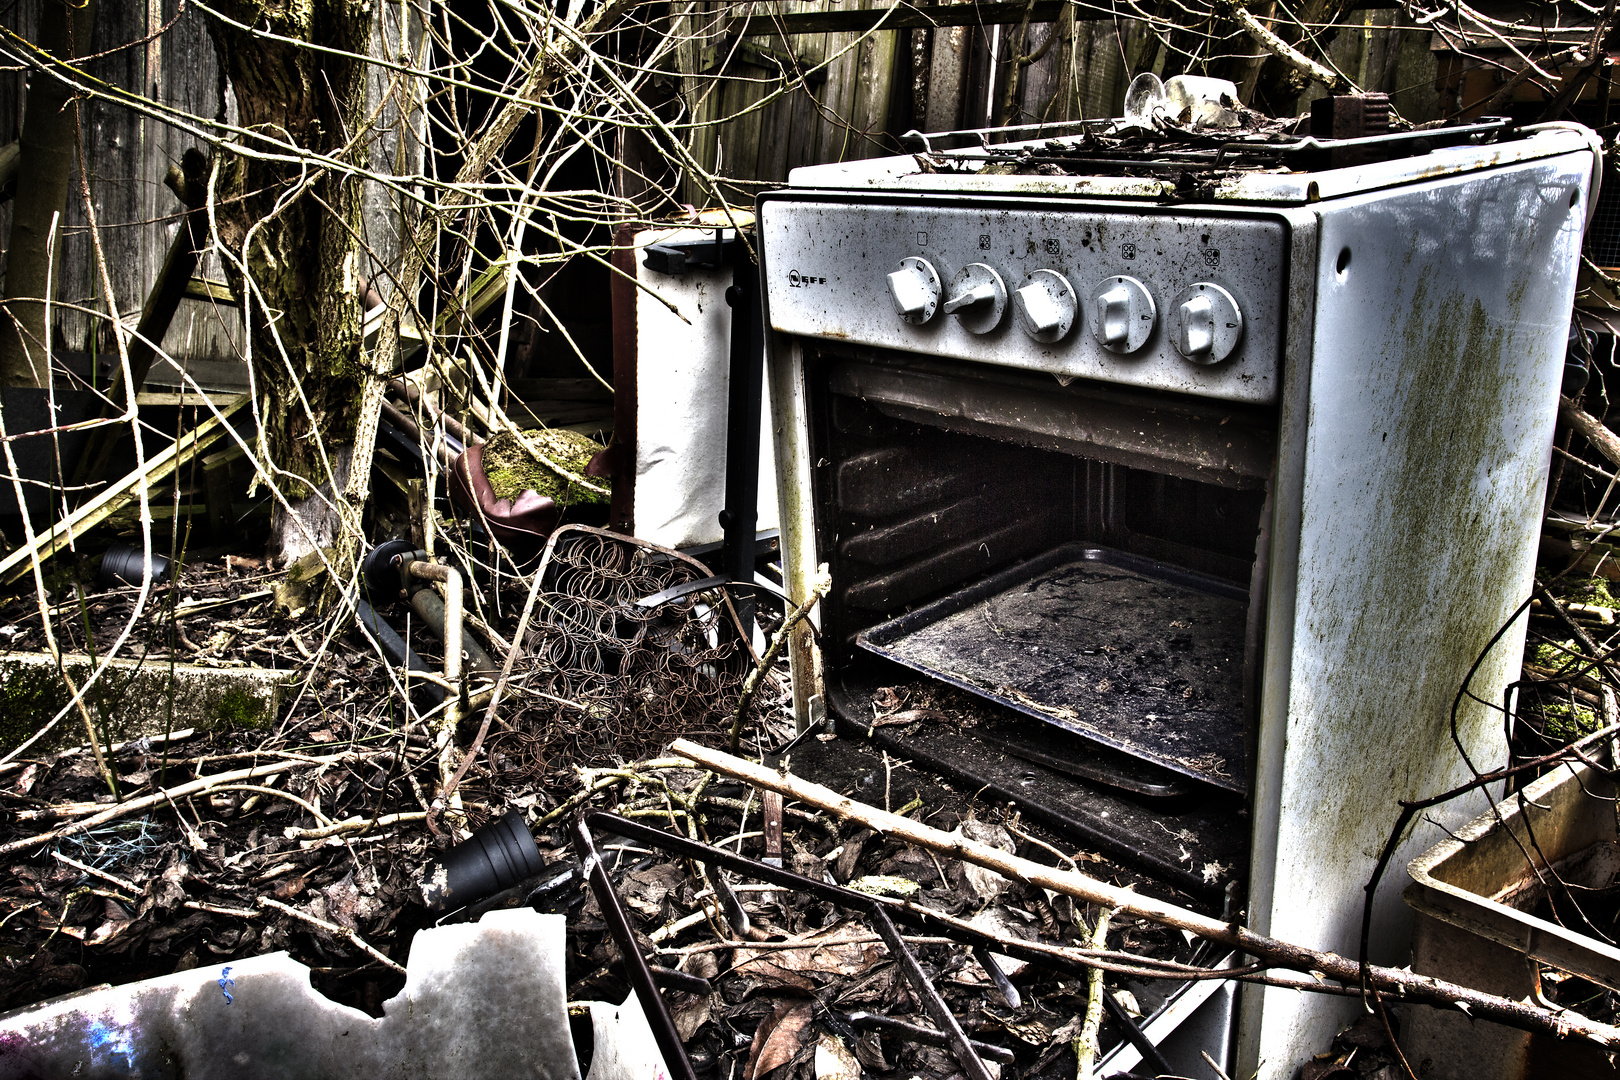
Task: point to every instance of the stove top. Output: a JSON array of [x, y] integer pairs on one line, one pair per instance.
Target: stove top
[[1255, 160]]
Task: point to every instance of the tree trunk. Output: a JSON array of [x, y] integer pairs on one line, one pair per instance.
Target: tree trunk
[[46, 158], [301, 250]]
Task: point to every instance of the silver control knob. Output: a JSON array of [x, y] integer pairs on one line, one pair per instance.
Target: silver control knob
[[978, 298], [915, 289], [1205, 323], [1045, 305], [1124, 314]]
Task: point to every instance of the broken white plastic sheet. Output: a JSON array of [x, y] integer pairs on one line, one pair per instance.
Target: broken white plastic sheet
[[483, 999]]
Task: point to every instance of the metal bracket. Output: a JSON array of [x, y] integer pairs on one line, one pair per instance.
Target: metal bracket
[[676, 259], [687, 588]]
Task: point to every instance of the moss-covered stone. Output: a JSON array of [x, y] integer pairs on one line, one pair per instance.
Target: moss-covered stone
[[512, 469], [131, 699], [237, 708]]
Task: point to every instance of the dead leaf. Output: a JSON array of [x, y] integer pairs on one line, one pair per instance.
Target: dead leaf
[[323, 735], [908, 716], [779, 1038], [986, 884], [869, 1049], [645, 890], [1065, 1034], [834, 1061], [116, 921], [341, 900], [25, 782], [164, 892], [107, 931], [887, 699], [826, 952], [690, 1014], [844, 865], [290, 887], [878, 990], [996, 920]]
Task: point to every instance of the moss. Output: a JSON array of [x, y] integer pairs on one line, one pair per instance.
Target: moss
[[130, 699], [512, 469], [239, 709], [1593, 591], [27, 699], [1552, 658], [1564, 723]]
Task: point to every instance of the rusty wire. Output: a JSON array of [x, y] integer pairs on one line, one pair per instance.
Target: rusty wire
[[621, 680]]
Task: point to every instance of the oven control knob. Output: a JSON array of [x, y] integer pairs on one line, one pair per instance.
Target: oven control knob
[[915, 289], [1045, 305], [1206, 324], [1124, 314], [978, 298]]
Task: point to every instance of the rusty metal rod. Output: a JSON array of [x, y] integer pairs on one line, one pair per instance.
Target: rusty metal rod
[[941, 1013], [393, 415], [635, 965]]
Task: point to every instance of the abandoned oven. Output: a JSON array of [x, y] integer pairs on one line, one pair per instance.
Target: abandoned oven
[[1198, 479]]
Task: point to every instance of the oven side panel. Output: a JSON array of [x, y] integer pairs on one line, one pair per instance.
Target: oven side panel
[[1435, 359]]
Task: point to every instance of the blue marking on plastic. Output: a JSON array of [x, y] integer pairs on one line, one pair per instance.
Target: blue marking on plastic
[[225, 983]]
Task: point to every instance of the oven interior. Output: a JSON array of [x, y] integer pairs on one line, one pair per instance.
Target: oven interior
[[1052, 587]]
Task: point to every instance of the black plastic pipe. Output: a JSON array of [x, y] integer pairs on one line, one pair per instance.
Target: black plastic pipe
[[398, 652]]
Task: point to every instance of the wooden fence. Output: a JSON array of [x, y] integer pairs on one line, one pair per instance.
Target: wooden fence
[[126, 155], [773, 86]]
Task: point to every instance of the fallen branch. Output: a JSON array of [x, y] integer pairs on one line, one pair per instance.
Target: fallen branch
[[352, 936], [1085, 1045], [147, 802], [1286, 52], [103, 506], [1591, 429], [1404, 985], [358, 824]]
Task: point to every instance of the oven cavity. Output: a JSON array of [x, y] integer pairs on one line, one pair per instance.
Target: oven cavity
[[1051, 552]]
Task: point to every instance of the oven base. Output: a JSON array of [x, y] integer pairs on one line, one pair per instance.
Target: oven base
[[1197, 842]]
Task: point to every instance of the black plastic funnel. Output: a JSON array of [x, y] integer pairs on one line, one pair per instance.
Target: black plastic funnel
[[125, 565], [496, 857]]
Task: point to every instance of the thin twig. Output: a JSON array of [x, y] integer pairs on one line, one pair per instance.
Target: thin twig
[[334, 929], [779, 640]]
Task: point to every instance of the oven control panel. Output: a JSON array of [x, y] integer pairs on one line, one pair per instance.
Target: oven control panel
[[1160, 298]]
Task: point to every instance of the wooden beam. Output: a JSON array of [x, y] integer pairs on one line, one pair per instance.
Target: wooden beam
[[106, 504], [900, 17], [159, 399], [216, 292]]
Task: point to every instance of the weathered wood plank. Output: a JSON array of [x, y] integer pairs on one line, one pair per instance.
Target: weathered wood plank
[[874, 83], [865, 20]]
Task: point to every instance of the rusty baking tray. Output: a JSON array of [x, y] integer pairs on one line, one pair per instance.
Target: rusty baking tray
[[1127, 652]]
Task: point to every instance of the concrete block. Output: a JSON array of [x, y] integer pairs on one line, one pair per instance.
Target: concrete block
[[132, 698]]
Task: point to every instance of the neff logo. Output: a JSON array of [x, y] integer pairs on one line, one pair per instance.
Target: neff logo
[[797, 280]]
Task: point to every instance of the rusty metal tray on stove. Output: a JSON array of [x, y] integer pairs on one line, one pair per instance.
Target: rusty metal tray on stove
[[1127, 652]]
